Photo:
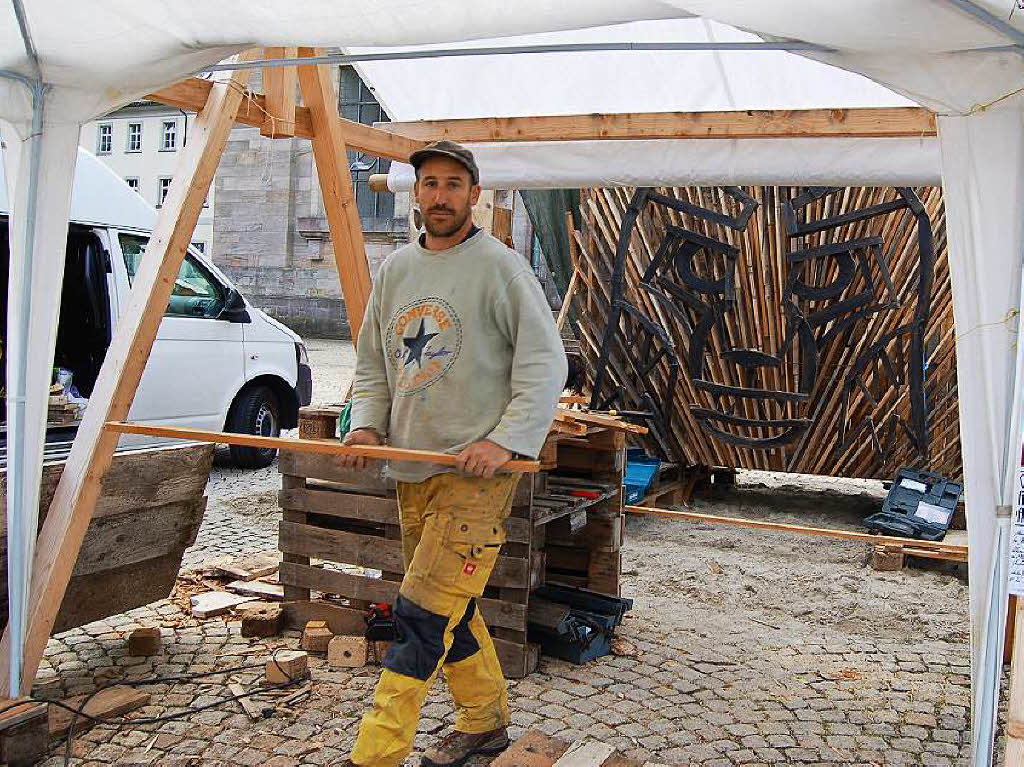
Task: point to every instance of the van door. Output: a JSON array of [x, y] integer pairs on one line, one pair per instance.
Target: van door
[[197, 363]]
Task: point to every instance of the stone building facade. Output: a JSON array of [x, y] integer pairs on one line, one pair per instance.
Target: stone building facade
[[270, 233], [270, 230], [271, 236]]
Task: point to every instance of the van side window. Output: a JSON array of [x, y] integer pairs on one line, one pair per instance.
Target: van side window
[[196, 292]]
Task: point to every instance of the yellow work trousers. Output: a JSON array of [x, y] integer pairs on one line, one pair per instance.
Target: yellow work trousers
[[452, 529]]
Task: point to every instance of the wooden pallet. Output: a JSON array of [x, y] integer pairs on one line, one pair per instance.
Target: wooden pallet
[[893, 556], [333, 529], [337, 522], [585, 552]]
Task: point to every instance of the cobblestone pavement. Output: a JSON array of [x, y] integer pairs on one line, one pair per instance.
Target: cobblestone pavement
[[750, 649], [690, 697]]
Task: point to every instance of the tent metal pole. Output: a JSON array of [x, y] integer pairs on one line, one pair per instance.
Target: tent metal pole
[[22, 522], [993, 21], [509, 50], [992, 652]]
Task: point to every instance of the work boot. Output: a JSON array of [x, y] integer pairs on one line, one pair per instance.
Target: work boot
[[456, 747]]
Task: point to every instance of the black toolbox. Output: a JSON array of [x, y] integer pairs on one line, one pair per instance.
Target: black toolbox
[[919, 505], [574, 624]]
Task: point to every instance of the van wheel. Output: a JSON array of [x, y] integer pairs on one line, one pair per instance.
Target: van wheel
[[256, 411]]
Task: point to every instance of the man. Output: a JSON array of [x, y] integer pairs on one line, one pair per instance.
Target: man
[[457, 353]]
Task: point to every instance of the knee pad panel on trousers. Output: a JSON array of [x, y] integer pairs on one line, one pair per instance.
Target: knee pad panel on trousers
[[464, 644], [420, 644]]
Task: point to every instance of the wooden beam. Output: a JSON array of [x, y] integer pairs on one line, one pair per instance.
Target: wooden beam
[[279, 85], [330, 154], [323, 446], [1015, 709], [75, 498], [922, 548], [191, 94], [601, 419], [884, 122], [563, 313]]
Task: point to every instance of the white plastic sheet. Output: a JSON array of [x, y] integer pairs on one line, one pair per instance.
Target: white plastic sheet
[[615, 81], [99, 55], [983, 167], [30, 346]]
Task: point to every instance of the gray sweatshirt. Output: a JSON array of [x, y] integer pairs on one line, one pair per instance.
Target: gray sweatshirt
[[457, 346]]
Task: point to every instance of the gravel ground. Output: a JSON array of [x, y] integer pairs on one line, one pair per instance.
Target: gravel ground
[[242, 513], [751, 647]]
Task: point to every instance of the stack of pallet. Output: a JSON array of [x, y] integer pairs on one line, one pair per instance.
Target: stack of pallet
[[582, 543], [340, 536], [60, 410]]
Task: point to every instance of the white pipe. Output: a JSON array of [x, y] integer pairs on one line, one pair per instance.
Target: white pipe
[[22, 522], [512, 50]]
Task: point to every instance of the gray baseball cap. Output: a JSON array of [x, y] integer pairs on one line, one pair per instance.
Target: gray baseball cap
[[446, 148]]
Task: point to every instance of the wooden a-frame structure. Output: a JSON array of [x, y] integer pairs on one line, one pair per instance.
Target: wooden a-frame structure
[[221, 104]]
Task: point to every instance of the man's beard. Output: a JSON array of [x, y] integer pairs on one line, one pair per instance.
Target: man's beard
[[447, 230]]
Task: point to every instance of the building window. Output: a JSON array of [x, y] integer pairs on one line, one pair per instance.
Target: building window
[[357, 103], [133, 183], [104, 138], [200, 246], [163, 185], [170, 136], [134, 137]]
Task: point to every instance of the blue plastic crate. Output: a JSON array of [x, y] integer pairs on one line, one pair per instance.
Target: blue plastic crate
[[641, 470]]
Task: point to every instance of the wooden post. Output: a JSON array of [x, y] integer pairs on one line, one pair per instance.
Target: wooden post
[[329, 152], [75, 498], [483, 211], [279, 85], [1015, 714]]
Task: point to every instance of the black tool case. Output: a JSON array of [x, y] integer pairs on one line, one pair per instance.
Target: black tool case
[[574, 624], [919, 505]]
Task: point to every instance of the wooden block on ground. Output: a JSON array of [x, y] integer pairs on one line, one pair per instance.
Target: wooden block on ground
[[262, 620], [106, 704], [347, 652], [247, 568], [24, 735], [585, 753], [316, 636], [253, 709], [212, 603], [273, 592], [287, 665], [145, 641], [533, 749], [887, 558], [379, 649]]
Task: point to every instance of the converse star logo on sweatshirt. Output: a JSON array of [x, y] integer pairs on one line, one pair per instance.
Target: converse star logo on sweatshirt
[[424, 339]]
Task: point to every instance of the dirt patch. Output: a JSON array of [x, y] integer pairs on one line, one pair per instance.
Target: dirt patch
[[683, 574]]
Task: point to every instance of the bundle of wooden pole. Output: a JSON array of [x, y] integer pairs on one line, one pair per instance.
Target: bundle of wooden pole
[[757, 319]]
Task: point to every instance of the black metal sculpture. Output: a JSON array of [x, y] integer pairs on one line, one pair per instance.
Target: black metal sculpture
[[858, 286]]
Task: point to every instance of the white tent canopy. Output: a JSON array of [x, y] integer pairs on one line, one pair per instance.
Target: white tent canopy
[[647, 81], [958, 57]]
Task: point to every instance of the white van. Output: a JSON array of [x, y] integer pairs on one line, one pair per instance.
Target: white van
[[218, 362]]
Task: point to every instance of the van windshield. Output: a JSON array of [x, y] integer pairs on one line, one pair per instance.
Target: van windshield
[[196, 292]]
